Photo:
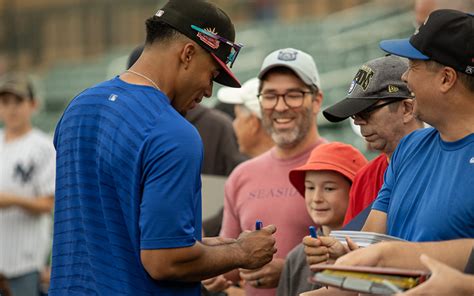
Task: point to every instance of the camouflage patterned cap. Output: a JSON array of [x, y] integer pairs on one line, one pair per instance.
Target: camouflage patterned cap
[[17, 84]]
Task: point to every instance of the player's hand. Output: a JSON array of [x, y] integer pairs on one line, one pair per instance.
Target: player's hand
[[266, 277], [257, 247], [216, 284], [325, 249], [444, 280]]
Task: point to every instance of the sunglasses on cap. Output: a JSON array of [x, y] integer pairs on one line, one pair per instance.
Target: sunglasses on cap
[[235, 47]]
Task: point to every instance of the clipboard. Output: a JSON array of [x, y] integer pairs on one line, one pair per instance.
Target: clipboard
[[372, 280]]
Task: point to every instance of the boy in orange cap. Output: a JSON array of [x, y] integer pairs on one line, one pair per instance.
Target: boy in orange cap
[[324, 181]]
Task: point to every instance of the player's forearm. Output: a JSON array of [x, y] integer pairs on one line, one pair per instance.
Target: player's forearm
[[195, 263]]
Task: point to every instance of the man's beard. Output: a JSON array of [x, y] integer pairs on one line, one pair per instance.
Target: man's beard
[[289, 138]]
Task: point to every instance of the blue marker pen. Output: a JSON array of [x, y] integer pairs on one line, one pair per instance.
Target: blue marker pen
[[312, 232], [258, 225]]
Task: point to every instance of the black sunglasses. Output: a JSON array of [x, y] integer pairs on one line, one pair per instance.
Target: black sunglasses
[[365, 114]]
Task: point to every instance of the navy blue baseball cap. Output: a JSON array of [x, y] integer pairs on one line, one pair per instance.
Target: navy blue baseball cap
[[446, 36]]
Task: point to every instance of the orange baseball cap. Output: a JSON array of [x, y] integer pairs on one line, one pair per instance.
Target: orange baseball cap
[[335, 156]]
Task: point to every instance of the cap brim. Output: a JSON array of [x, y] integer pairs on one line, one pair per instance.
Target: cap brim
[[346, 108], [14, 92], [402, 48], [230, 95], [225, 77], [297, 175]]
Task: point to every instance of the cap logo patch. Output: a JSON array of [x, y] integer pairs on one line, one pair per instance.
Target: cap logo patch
[[211, 42], [469, 70], [287, 55], [363, 77], [160, 12], [392, 89]]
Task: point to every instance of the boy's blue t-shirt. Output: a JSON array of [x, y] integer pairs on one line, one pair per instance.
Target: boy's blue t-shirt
[[428, 191], [128, 179]]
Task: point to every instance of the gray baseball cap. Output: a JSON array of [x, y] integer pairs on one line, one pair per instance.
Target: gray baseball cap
[[299, 61], [378, 79]]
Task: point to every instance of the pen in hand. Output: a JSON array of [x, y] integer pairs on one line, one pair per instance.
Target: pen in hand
[[315, 232], [258, 225]]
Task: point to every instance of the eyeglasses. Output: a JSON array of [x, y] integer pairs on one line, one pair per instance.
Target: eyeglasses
[[365, 114], [234, 47], [292, 99]]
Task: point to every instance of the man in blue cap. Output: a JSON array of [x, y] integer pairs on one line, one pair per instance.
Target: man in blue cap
[[428, 191]]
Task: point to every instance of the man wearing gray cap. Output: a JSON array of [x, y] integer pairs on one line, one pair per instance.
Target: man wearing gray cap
[[27, 173], [381, 104], [259, 189]]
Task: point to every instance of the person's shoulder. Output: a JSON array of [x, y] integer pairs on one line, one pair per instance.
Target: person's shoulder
[[104, 85], [421, 133], [173, 128], [371, 170], [40, 143], [41, 137], [414, 144], [417, 138], [254, 166], [380, 160], [254, 163]]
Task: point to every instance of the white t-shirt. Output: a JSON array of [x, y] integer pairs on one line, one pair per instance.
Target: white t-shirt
[[27, 169]]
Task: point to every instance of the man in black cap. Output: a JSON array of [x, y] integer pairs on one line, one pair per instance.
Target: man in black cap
[[128, 207]]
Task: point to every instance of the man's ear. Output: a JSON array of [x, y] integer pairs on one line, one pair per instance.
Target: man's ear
[[254, 124], [448, 79], [188, 52], [407, 108], [317, 101]]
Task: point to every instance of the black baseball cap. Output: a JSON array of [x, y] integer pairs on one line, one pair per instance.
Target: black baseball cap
[[446, 36], [378, 79], [208, 26]]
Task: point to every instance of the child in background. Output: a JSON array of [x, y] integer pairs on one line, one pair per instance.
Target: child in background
[[27, 179], [324, 181]]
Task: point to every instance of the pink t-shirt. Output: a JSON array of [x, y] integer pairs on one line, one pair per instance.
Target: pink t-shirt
[[259, 189]]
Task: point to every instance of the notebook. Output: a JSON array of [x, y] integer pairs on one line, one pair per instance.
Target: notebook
[[362, 238]]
